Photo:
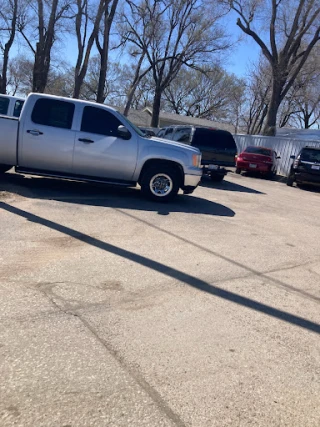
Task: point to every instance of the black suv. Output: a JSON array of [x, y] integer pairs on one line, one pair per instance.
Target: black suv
[[306, 167], [217, 147]]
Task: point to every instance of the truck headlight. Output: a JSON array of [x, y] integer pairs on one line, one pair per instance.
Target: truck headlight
[[196, 160]]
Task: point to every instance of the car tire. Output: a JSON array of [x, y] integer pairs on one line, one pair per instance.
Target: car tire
[[216, 178], [4, 168], [238, 171], [160, 183], [290, 179]]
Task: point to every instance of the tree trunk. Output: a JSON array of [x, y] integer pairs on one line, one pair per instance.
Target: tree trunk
[[43, 51], [84, 50], [133, 86], [270, 126], [156, 107], [104, 51], [40, 71], [7, 47], [103, 60]]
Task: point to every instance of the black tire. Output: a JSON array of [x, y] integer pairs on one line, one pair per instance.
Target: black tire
[[238, 171], [4, 168], [160, 183], [290, 179], [216, 178]]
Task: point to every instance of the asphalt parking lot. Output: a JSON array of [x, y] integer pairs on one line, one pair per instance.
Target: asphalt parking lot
[[117, 311]]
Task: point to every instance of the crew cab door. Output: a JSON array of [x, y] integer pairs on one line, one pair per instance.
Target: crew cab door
[[46, 140], [99, 151]]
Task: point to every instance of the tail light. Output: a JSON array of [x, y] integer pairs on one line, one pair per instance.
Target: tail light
[[267, 160], [296, 162]]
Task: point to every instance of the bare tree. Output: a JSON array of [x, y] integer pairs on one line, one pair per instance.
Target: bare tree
[[207, 94], [293, 31], [301, 106], [87, 23], [39, 27], [114, 89], [20, 74], [103, 47], [8, 24], [258, 91], [171, 34]]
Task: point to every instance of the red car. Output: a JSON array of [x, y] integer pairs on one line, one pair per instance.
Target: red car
[[258, 159]]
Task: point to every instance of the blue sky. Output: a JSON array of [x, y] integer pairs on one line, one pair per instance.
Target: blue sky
[[237, 61]]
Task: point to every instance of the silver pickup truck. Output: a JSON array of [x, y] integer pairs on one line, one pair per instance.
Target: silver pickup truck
[[74, 139]]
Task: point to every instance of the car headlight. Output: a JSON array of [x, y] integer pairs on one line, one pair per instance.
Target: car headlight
[[196, 160]]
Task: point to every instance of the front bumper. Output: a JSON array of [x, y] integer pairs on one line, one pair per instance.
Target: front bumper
[[191, 182]]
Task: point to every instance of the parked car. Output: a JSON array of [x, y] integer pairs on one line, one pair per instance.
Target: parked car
[[258, 159], [86, 141], [11, 105], [306, 167], [217, 146]]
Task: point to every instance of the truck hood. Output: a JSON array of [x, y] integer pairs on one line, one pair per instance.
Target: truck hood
[[175, 144]]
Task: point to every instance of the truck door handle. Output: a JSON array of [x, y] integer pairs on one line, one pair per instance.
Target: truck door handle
[[89, 141], [34, 132]]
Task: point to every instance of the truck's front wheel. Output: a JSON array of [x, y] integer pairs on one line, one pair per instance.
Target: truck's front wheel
[[4, 168], [160, 183]]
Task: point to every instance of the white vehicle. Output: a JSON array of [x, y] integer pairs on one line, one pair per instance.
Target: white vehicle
[[86, 141], [11, 105]]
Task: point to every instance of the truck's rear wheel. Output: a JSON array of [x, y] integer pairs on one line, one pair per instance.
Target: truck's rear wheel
[[216, 177], [4, 168], [160, 183]]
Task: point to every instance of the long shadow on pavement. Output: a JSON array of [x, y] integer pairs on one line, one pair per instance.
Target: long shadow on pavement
[[227, 186], [103, 195], [188, 279]]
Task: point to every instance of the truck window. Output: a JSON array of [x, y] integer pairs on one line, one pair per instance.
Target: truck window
[[17, 108], [168, 134], [214, 138], [97, 120], [4, 104], [52, 112], [182, 135]]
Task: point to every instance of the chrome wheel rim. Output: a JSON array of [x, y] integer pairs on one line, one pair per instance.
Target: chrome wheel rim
[[161, 185]]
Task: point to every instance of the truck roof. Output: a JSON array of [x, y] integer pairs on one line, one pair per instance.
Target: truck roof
[[65, 98]]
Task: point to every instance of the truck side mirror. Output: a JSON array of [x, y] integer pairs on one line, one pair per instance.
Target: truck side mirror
[[123, 132], [292, 157]]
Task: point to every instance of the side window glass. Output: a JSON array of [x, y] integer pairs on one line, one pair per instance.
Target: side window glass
[[168, 133], [52, 112], [17, 108], [182, 135], [97, 120], [4, 104]]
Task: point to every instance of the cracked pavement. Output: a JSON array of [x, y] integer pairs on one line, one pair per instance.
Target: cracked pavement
[[116, 311]]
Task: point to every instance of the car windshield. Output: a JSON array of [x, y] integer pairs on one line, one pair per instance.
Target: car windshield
[[310, 155], [258, 150]]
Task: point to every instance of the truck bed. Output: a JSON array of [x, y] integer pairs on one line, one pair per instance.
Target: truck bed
[[8, 140]]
